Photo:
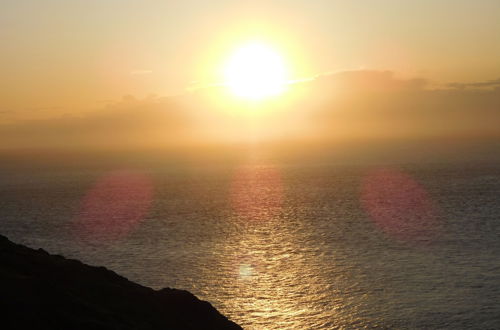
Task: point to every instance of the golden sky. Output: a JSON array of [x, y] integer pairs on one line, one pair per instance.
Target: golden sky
[[58, 53], [67, 65]]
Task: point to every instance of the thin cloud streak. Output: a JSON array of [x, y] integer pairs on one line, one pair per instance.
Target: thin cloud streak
[[482, 84]]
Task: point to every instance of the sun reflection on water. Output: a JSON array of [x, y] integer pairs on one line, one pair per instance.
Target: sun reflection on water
[[268, 262], [257, 192]]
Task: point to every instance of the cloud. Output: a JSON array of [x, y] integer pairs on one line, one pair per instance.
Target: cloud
[[127, 123], [482, 84], [377, 104], [361, 105], [368, 80]]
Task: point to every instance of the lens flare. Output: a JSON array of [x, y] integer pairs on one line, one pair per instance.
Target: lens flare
[[257, 193], [114, 206], [399, 205]]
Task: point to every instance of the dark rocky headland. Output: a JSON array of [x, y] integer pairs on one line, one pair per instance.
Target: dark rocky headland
[[43, 291]]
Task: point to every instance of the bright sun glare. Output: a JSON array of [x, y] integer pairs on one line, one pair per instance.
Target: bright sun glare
[[255, 71]]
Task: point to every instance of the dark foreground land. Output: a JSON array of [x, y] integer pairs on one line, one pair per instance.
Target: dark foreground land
[[43, 291]]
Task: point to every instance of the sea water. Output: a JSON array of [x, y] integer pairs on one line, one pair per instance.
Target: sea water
[[282, 246]]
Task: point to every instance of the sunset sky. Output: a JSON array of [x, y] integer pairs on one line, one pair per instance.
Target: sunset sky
[[84, 59]]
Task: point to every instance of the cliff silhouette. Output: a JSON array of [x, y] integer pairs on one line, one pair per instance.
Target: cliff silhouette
[[44, 291]]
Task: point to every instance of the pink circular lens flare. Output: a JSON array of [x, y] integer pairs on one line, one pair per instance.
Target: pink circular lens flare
[[257, 192], [399, 205], [114, 206]]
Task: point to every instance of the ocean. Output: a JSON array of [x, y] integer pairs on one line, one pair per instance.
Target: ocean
[[282, 246]]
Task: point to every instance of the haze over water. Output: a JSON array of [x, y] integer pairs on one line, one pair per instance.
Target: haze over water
[[283, 246]]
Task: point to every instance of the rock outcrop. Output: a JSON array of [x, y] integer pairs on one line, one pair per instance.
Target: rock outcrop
[[43, 291]]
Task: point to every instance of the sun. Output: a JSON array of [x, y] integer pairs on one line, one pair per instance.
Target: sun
[[255, 71]]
